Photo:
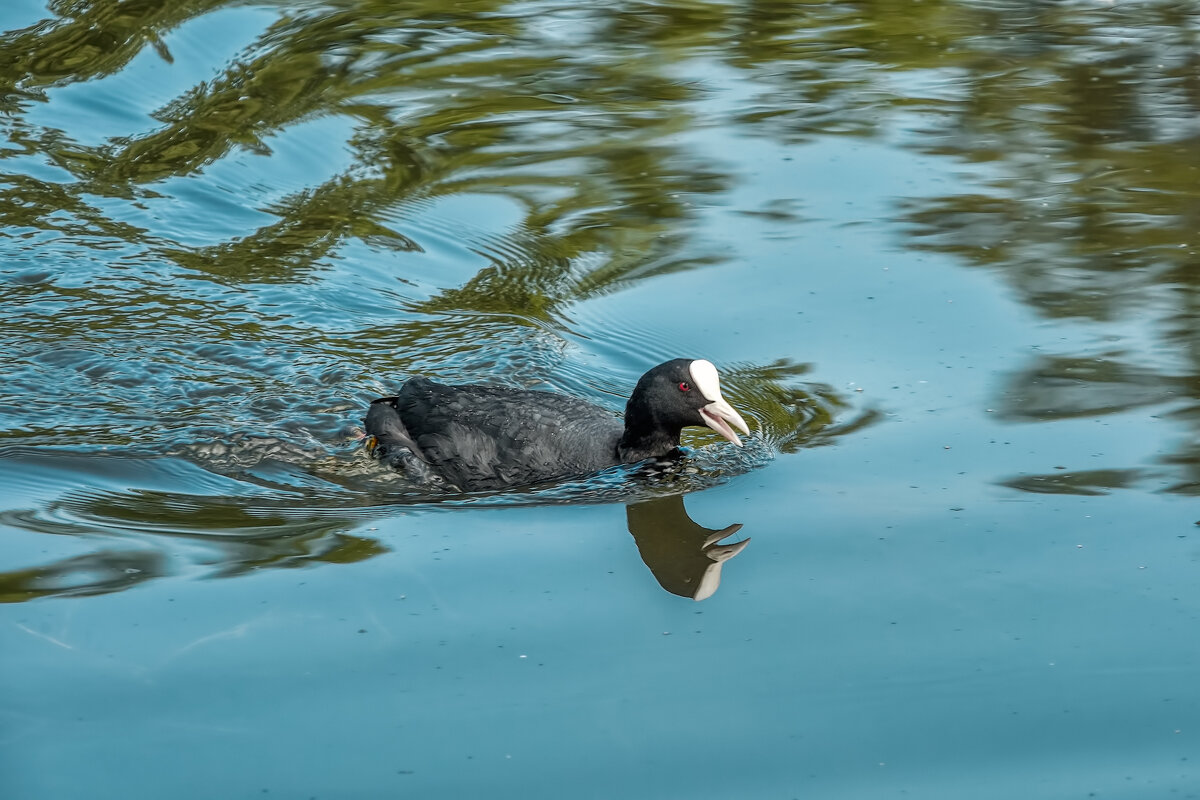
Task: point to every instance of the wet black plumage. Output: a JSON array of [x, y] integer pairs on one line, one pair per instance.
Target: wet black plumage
[[478, 437]]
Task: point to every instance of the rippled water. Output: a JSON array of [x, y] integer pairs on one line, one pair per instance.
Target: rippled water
[[944, 254]]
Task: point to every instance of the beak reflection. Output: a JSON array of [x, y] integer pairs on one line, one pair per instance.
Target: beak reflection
[[684, 557]]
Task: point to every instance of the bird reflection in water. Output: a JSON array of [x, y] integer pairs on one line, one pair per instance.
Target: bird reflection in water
[[684, 557]]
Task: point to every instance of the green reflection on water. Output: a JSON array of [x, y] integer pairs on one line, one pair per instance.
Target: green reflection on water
[[1076, 121]]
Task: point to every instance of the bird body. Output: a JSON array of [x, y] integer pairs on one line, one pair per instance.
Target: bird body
[[478, 438]]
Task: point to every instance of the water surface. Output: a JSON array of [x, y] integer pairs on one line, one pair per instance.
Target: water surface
[[943, 253]]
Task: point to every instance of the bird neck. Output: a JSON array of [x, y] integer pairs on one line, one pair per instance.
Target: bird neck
[[645, 437]]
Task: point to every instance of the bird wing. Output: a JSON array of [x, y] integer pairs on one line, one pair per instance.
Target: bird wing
[[485, 437]]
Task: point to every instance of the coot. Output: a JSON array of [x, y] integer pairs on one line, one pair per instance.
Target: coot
[[478, 438]]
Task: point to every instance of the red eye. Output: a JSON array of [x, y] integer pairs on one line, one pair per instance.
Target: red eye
[[685, 387]]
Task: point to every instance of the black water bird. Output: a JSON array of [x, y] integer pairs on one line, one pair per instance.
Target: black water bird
[[479, 438]]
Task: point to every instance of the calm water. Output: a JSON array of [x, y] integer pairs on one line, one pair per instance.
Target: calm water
[[944, 253]]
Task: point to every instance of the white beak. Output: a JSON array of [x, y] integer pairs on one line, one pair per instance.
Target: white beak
[[718, 414]]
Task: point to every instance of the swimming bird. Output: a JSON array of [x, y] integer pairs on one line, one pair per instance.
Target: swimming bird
[[479, 438]]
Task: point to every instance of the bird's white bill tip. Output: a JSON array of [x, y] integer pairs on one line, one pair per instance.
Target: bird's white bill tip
[[717, 415]]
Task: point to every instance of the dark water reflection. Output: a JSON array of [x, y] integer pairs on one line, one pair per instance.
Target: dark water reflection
[[685, 557], [226, 537]]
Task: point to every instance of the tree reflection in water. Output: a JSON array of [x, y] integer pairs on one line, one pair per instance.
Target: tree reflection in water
[[1076, 122]]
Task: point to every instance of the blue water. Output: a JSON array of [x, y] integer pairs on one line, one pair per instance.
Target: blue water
[[943, 254]]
